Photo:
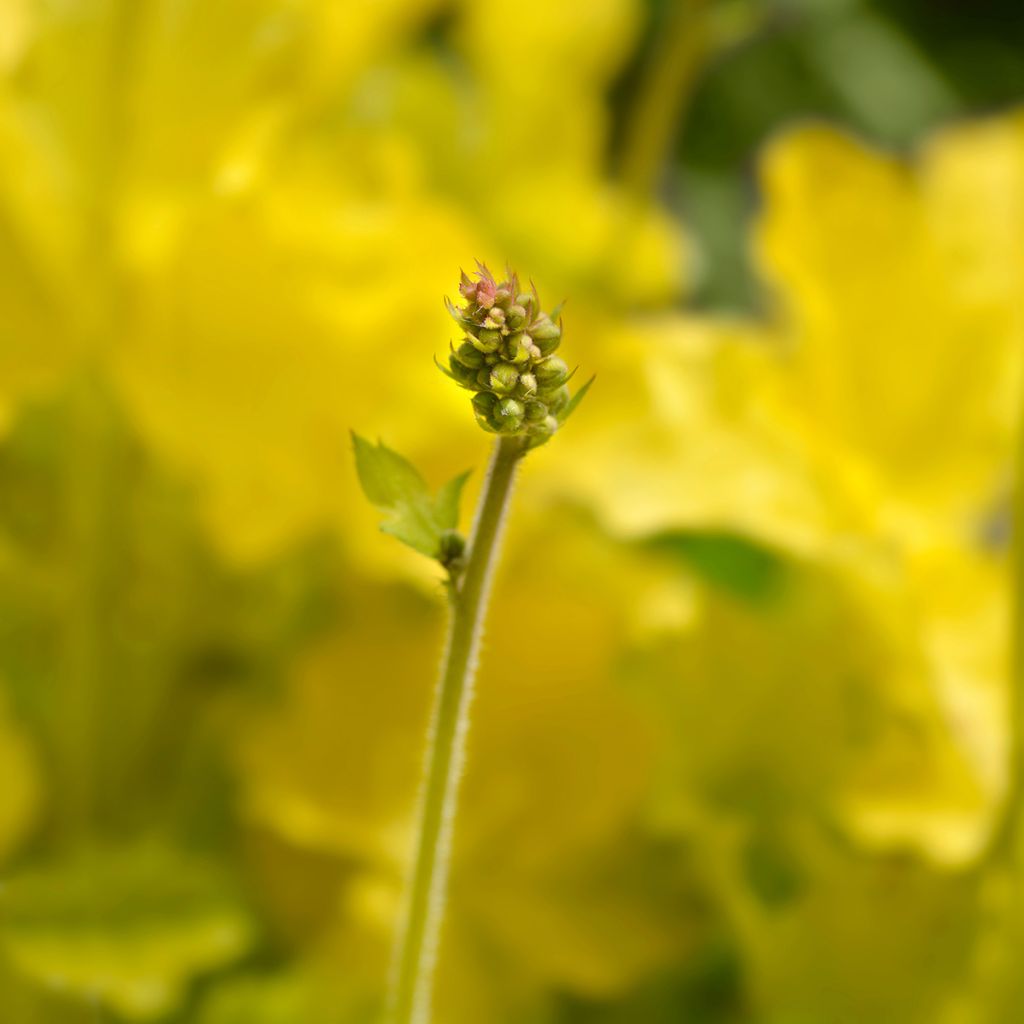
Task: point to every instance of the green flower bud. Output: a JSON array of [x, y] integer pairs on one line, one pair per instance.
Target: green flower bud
[[518, 348], [452, 548], [503, 378], [551, 372], [508, 356], [516, 316], [527, 386], [557, 399], [484, 405], [546, 336], [509, 415], [540, 432], [486, 340], [469, 355], [535, 411], [465, 375], [544, 329]]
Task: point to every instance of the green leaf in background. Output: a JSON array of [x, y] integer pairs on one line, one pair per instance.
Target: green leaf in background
[[395, 487], [128, 928], [732, 563]]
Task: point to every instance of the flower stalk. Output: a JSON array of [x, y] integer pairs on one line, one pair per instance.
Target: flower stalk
[[410, 990], [507, 360]]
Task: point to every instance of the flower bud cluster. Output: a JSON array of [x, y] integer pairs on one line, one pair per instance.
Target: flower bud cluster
[[507, 357]]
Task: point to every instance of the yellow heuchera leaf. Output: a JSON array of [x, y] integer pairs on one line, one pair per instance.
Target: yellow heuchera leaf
[[957, 608], [690, 426], [904, 300], [869, 425], [830, 705], [828, 934], [129, 928]]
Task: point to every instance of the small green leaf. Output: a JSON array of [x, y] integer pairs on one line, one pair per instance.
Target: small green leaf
[[386, 476], [446, 504], [576, 399], [411, 513]]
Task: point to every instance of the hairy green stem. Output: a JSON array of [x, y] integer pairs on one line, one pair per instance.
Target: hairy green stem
[[409, 993]]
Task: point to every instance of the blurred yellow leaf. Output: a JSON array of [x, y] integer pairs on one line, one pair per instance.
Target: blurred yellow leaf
[[547, 871], [126, 927]]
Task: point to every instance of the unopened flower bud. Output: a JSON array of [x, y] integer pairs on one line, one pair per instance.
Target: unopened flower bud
[[542, 431], [486, 340], [452, 547], [516, 316], [480, 291], [469, 355], [485, 293], [551, 372], [527, 386], [558, 399], [503, 378], [518, 348], [507, 357], [465, 375], [509, 415], [546, 335], [484, 402], [484, 405], [535, 411]]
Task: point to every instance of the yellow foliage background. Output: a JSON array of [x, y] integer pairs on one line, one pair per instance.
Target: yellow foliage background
[[745, 746]]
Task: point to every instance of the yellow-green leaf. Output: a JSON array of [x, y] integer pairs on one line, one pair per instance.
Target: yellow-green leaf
[[127, 927], [395, 486]]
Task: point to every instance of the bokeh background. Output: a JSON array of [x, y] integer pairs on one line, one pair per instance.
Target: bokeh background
[[746, 742]]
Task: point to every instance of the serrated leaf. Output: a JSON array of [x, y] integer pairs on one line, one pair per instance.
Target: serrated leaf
[[128, 927], [576, 399], [411, 513]]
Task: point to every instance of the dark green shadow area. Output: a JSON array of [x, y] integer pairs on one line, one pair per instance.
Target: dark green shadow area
[[729, 561]]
